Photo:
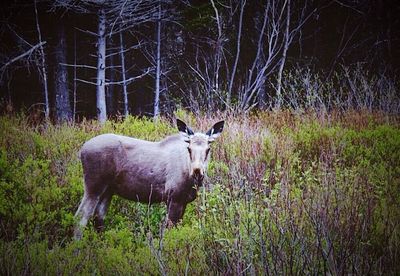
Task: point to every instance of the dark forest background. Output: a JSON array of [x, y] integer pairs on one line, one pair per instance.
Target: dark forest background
[[200, 55]]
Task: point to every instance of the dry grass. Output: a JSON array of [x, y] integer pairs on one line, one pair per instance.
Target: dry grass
[[287, 193]]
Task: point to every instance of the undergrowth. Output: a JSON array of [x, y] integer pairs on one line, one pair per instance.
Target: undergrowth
[[285, 194]]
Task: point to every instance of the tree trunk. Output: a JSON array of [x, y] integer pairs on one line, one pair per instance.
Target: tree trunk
[[158, 65], [262, 91], [63, 106], [228, 98], [110, 88], [42, 68], [101, 68], [283, 60], [124, 84], [218, 54], [75, 86]]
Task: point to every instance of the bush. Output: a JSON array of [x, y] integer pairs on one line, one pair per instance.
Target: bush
[[285, 194]]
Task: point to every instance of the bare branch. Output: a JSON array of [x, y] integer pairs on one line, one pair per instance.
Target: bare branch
[[127, 81], [136, 46], [79, 66], [87, 82], [87, 32], [27, 53]]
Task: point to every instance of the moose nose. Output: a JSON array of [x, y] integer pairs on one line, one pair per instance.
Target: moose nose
[[197, 174], [196, 171]]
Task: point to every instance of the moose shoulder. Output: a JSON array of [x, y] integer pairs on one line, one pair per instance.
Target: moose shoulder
[[149, 172]]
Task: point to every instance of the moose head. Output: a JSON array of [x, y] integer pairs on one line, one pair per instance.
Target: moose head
[[198, 147]]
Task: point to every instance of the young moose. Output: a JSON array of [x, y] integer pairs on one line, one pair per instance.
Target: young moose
[[149, 172]]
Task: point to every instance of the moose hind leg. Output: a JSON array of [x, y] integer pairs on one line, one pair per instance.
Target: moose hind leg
[[84, 212], [101, 210]]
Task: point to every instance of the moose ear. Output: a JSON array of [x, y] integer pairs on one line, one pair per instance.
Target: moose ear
[[215, 131], [185, 131]]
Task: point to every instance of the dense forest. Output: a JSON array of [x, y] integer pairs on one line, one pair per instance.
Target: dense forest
[[303, 180], [69, 60]]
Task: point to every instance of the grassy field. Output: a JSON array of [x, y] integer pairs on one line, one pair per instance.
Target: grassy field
[[285, 194]]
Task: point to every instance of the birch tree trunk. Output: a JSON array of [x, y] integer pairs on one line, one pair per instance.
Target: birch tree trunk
[[283, 60], [101, 68], [63, 106], [260, 58], [218, 55], [262, 91], [238, 41], [110, 88], [158, 65], [42, 65], [124, 83], [75, 86]]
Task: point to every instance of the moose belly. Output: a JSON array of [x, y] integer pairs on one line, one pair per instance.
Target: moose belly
[[140, 186]]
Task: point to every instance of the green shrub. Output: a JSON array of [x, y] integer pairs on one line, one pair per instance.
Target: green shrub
[[285, 194]]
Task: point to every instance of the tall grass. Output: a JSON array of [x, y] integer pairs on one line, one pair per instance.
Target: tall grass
[[286, 194], [349, 88]]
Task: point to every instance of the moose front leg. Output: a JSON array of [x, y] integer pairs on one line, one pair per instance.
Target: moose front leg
[[175, 213]]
